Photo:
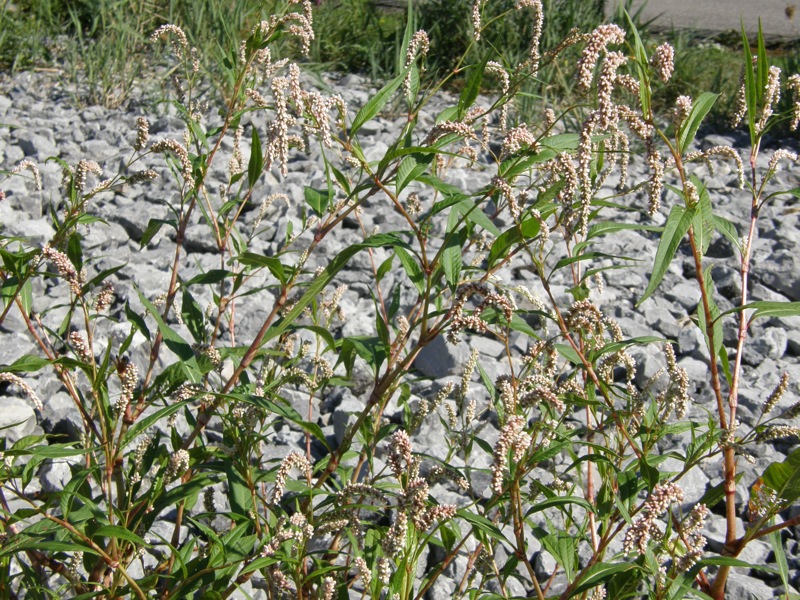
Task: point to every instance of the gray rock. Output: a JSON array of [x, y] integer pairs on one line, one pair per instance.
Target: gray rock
[[17, 418], [439, 359], [685, 294], [36, 142], [771, 343], [780, 273], [345, 414], [54, 475], [61, 416], [743, 587]]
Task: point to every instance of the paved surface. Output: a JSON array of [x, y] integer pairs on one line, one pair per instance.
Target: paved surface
[[780, 19]]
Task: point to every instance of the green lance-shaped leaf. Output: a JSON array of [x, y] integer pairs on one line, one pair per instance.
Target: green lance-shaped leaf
[[378, 101], [703, 223], [327, 275], [784, 477], [473, 87], [318, 200], [641, 64], [688, 129], [676, 227], [451, 255], [172, 339], [256, 159]]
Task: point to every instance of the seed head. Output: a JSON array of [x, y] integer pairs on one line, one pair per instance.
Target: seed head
[[663, 61], [599, 39], [26, 389], [30, 166], [177, 466], [295, 460]]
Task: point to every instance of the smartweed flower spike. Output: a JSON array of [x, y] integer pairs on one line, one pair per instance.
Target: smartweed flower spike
[[780, 154], [536, 38], [772, 94], [645, 528], [142, 134], [418, 46], [83, 168], [236, 163], [512, 438], [598, 40], [477, 6], [305, 29], [695, 541], [776, 395], [777, 432], [663, 61], [179, 44], [80, 347], [30, 166], [64, 268], [182, 154], [683, 106], [293, 460], [21, 384], [178, 464], [605, 86], [105, 297], [793, 84], [517, 139], [497, 69]]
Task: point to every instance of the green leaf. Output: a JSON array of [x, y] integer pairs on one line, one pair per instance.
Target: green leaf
[[649, 473], [765, 308], [256, 162], [384, 268], [483, 524], [26, 364], [559, 501], [641, 67], [599, 573], [411, 168], [780, 557], [605, 227], [727, 229], [752, 91], [142, 424], [474, 214], [119, 533], [153, 227], [318, 200], [239, 495], [58, 451], [74, 251], [447, 189], [209, 277], [472, 88], [137, 321], [451, 254], [251, 259], [193, 316], [172, 339], [377, 102], [562, 142], [526, 230], [703, 223], [688, 129], [327, 275], [784, 477], [714, 311], [676, 227], [412, 269], [715, 494]]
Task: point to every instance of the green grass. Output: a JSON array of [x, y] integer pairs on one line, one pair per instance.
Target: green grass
[[102, 45]]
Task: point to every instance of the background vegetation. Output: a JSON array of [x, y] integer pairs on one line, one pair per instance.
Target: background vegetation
[[101, 45]]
